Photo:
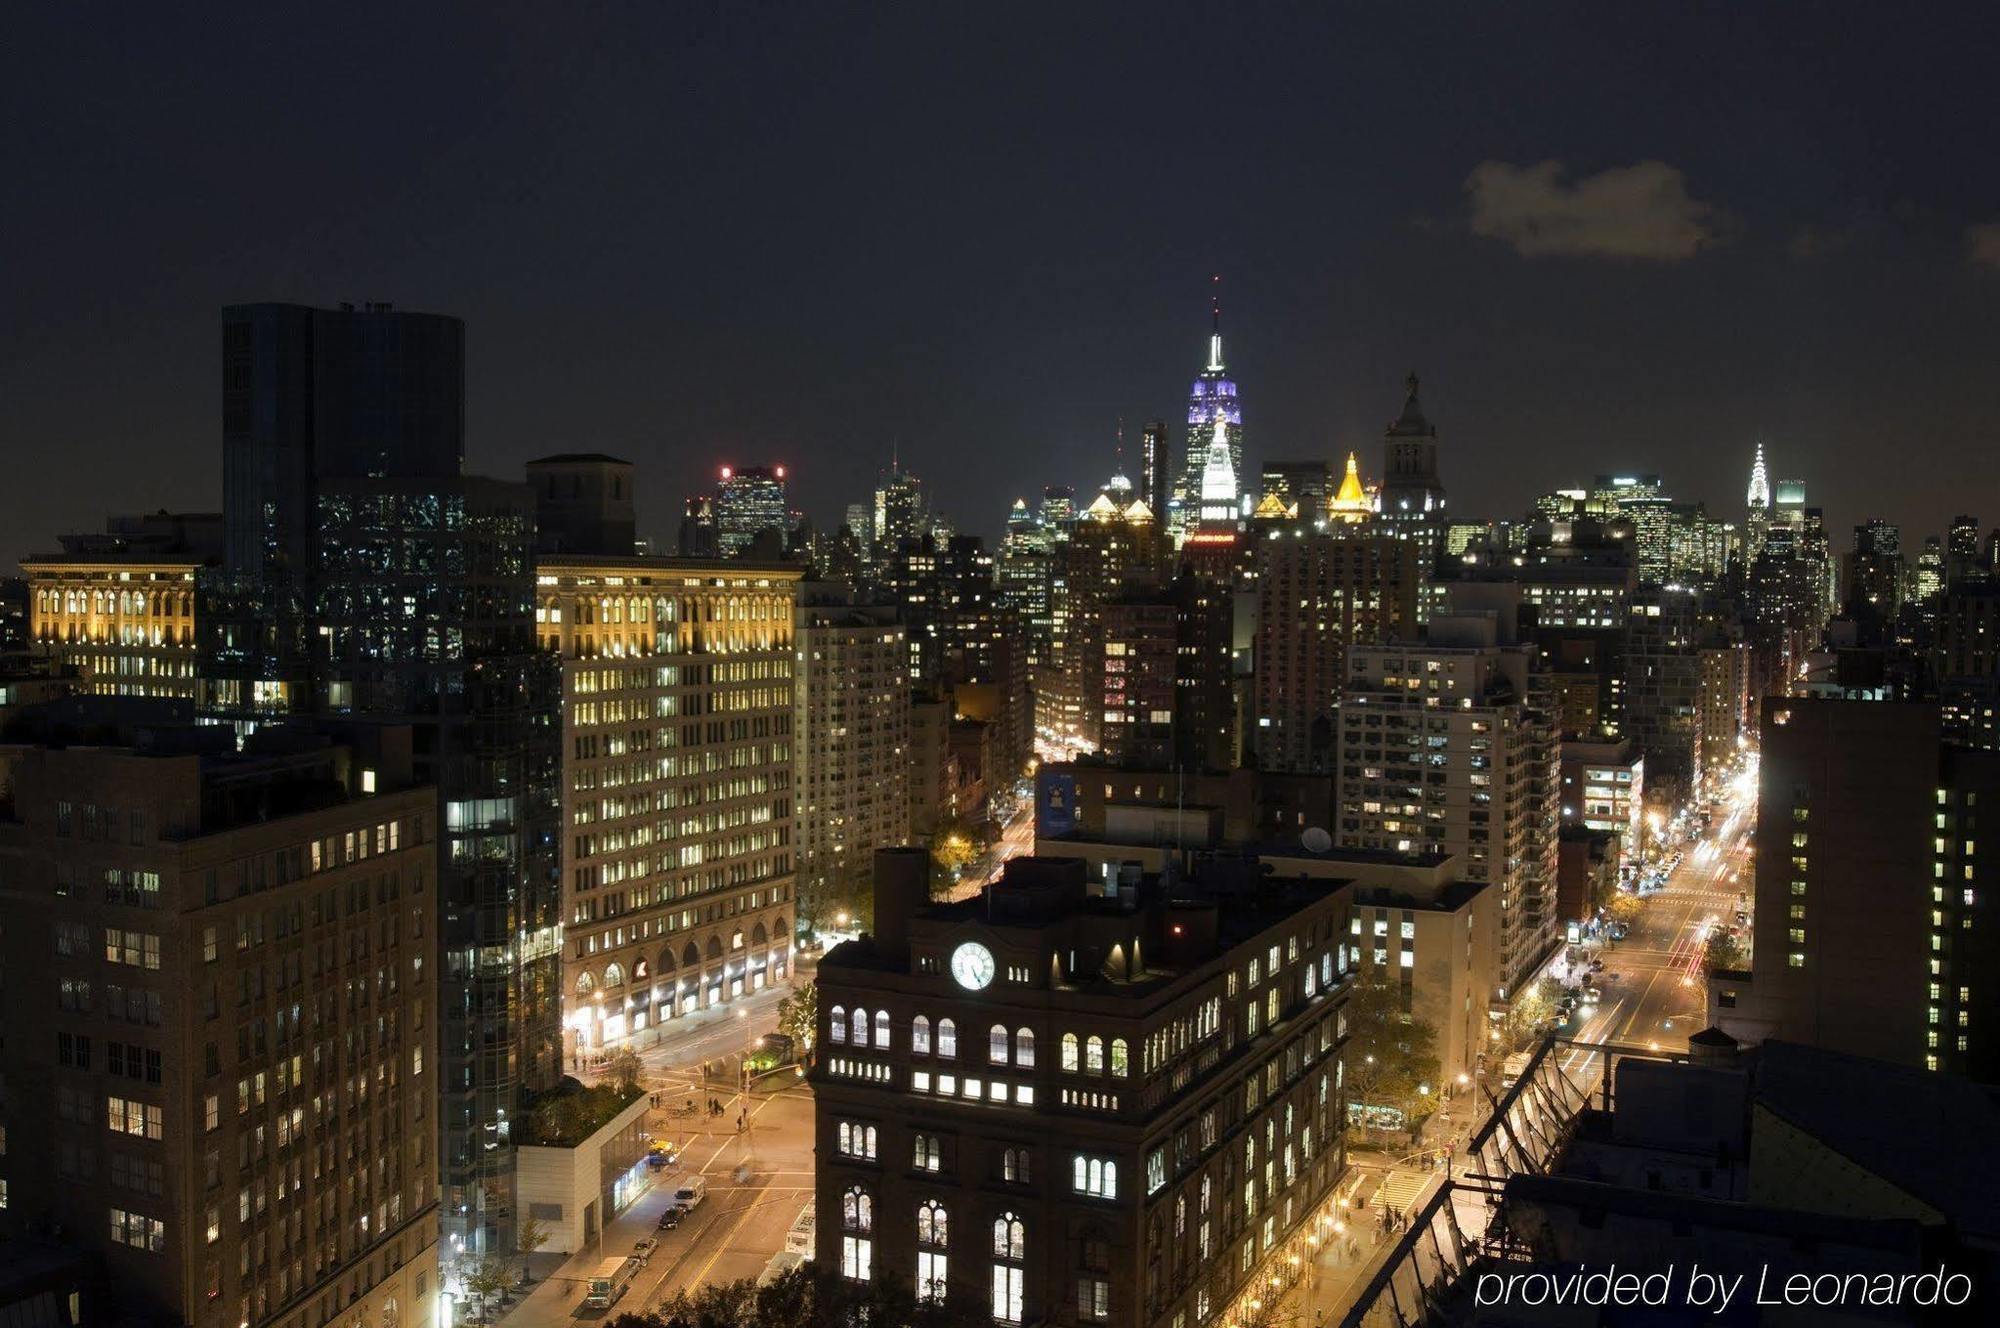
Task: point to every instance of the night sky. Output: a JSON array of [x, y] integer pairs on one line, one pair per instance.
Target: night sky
[[691, 233]]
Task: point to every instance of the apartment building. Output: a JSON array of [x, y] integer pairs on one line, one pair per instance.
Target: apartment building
[[220, 1068]]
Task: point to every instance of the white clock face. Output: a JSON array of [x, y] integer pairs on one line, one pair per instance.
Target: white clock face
[[972, 965]]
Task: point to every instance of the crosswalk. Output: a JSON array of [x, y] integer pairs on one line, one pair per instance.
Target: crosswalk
[[1401, 1189]]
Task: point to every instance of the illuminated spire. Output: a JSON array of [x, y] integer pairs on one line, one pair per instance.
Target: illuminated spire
[[1760, 483], [1215, 314]]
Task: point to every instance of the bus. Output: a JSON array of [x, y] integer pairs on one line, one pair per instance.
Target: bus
[[609, 1280]]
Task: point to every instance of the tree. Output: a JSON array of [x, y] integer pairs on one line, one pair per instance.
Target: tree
[[530, 1234], [1724, 951], [1391, 1058], [1625, 907], [954, 847], [623, 1068], [1528, 1017], [485, 1279], [798, 1017]]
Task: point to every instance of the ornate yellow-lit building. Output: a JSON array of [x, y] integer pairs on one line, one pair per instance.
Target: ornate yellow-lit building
[[126, 625], [677, 853], [1353, 503]]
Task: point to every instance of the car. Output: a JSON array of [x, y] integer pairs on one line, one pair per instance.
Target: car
[[1597, 965], [1592, 995], [672, 1217], [642, 1250], [1742, 915]]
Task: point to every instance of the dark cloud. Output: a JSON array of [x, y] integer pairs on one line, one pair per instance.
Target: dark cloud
[[1642, 211], [1982, 245]]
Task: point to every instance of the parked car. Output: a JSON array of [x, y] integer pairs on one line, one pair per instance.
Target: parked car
[[672, 1217], [691, 1193], [642, 1250]]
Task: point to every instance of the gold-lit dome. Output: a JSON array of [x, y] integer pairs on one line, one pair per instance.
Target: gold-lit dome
[[1351, 503]]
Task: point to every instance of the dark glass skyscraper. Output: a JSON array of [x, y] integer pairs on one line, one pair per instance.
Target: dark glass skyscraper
[[369, 582]]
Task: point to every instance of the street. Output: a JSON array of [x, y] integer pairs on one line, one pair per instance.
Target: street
[[759, 1178], [1659, 996]]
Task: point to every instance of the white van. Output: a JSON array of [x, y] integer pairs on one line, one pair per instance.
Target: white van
[[692, 1191]]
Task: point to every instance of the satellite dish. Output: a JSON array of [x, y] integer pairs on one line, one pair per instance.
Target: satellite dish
[[1316, 840]]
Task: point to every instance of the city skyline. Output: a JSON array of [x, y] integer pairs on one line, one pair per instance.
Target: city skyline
[[1762, 281], [663, 671]]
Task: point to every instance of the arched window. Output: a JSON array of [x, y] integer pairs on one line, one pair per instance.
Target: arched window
[[1069, 1051], [920, 1035], [927, 1154], [857, 1140], [1014, 1166], [836, 1029], [931, 1240], [1120, 1058], [947, 1033], [858, 1027], [933, 1224], [882, 1029], [1010, 1249], [1024, 1048], [584, 983], [857, 1210], [1009, 1238], [1093, 1054], [614, 975], [857, 1251], [996, 1044]]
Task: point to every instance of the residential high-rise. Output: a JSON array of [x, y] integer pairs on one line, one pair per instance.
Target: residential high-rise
[[1109, 553], [1876, 573], [1319, 595], [1141, 632], [1663, 709], [221, 1070], [677, 799], [946, 593], [1449, 746], [1155, 464], [1213, 411], [1873, 882], [852, 734], [1076, 1100], [749, 500]]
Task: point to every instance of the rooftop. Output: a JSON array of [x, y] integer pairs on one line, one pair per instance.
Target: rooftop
[[1936, 1136]]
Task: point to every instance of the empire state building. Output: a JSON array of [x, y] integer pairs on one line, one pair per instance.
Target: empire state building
[[1211, 400]]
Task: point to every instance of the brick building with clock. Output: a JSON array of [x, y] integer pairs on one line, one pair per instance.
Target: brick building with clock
[[1088, 1096]]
